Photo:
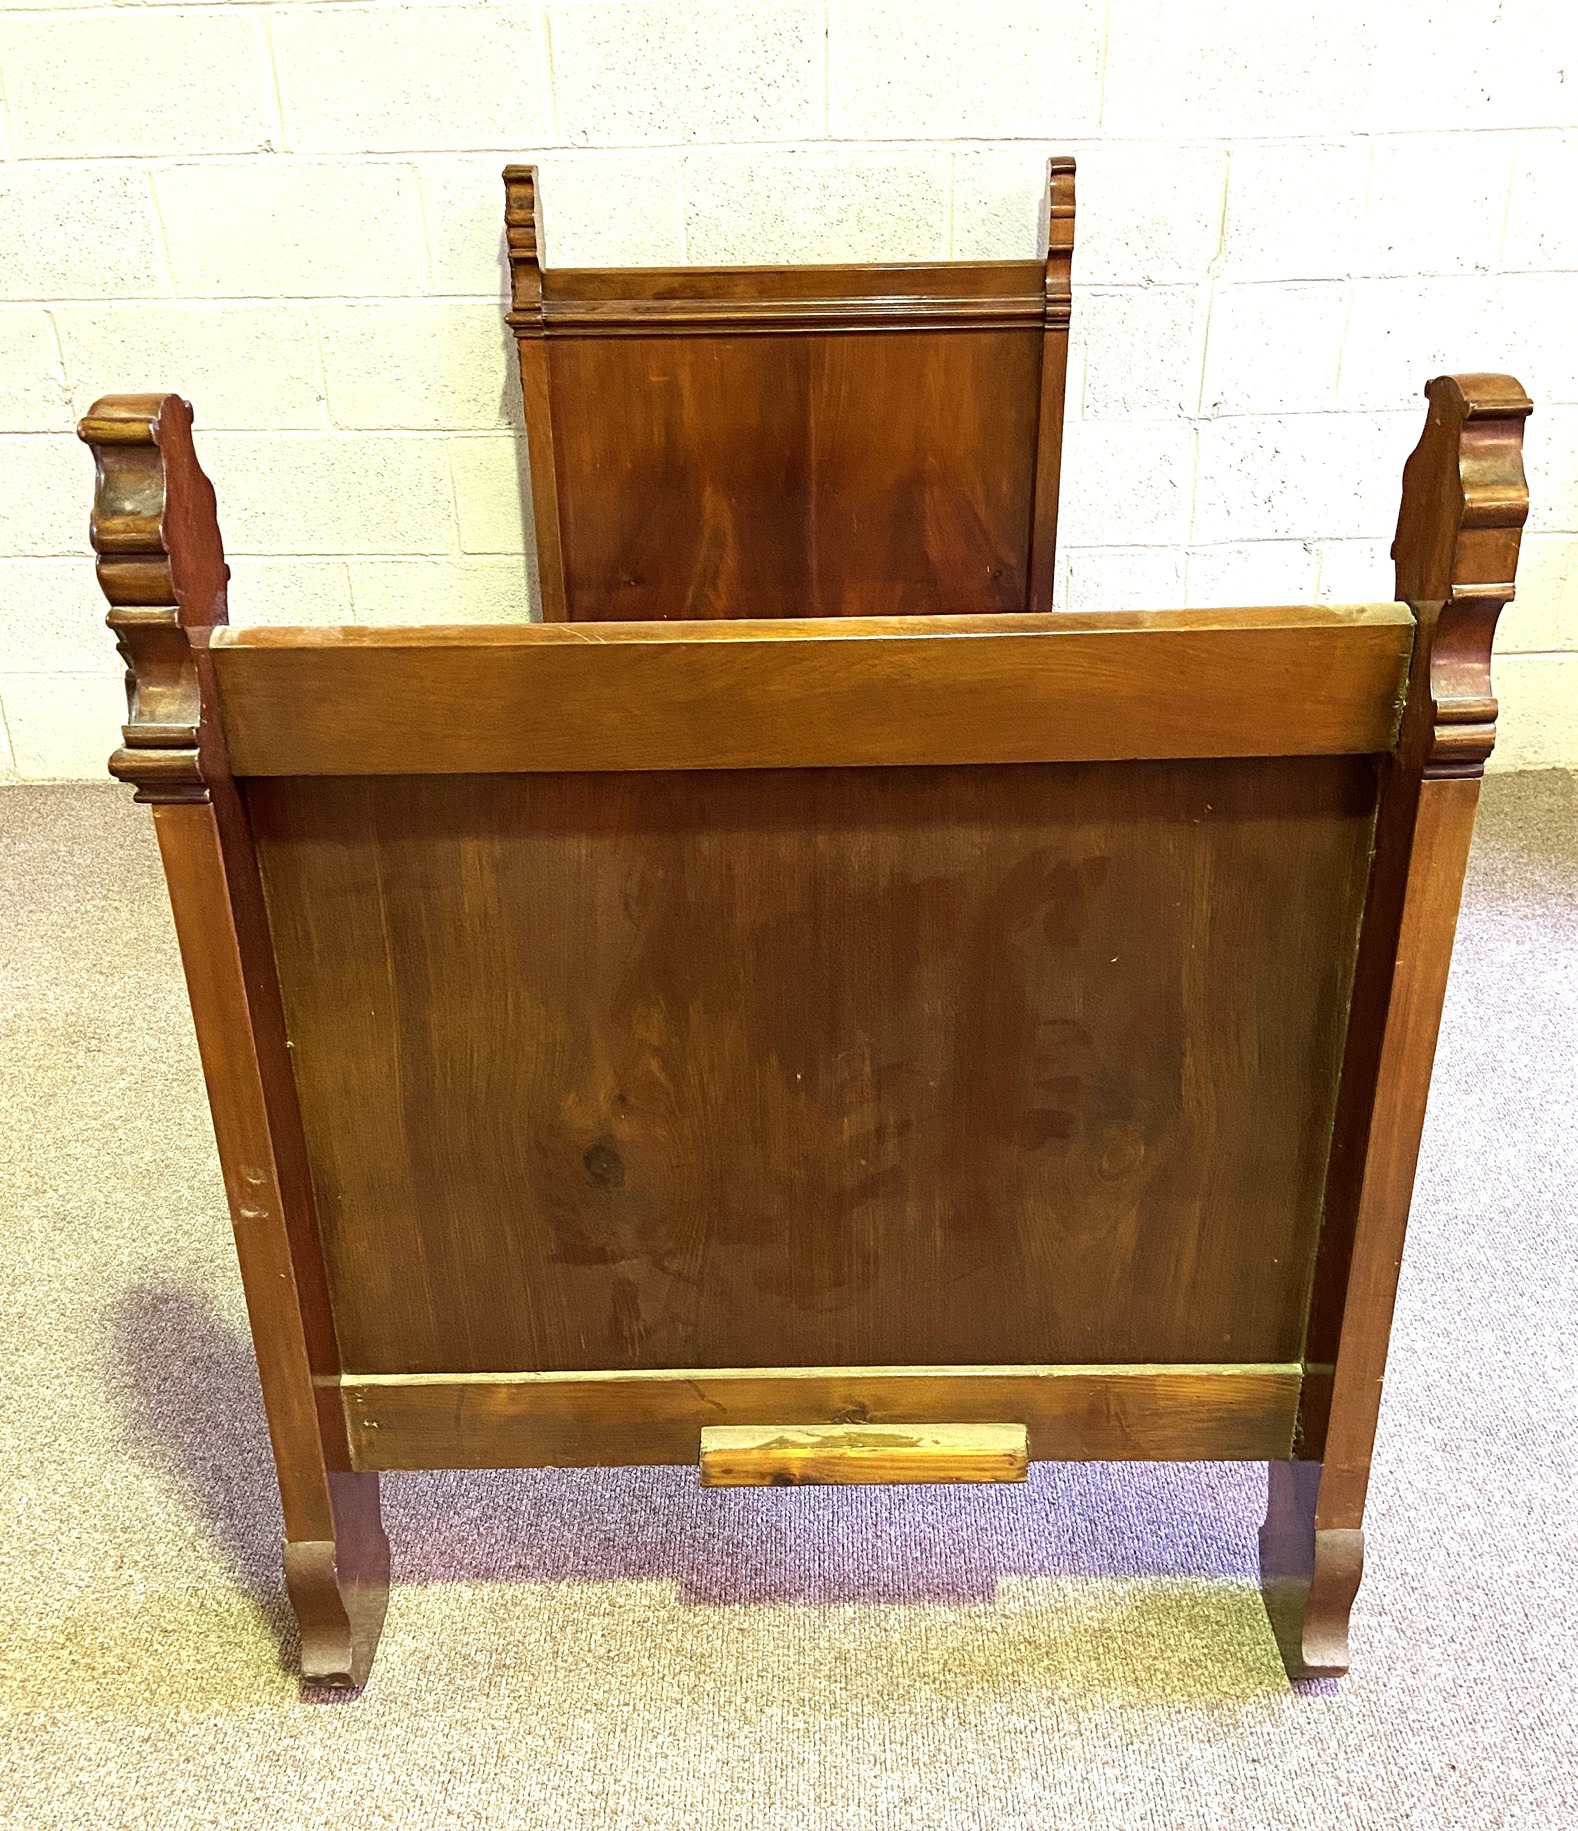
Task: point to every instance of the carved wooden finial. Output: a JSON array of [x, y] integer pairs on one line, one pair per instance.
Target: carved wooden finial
[[523, 243], [1465, 500], [162, 568], [1060, 241]]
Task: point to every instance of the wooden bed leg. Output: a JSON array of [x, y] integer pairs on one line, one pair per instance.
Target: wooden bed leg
[[339, 1587], [162, 568], [1309, 1576], [1464, 504]]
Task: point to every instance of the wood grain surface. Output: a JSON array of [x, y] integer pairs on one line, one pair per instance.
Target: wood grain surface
[[1311, 680], [849, 1455], [162, 568], [840, 440], [1465, 500], [576, 1420], [818, 1067]]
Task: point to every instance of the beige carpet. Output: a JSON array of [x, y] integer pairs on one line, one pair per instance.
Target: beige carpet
[[618, 1649]]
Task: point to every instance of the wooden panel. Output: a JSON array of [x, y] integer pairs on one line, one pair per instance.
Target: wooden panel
[[845, 440], [838, 475], [1185, 1413], [851, 1455], [818, 1067], [365, 701]]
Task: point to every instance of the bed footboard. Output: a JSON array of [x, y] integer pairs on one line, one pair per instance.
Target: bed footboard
[[620, 1032]]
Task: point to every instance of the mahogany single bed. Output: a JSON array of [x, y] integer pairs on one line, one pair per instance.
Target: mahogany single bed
[[822, 1047]]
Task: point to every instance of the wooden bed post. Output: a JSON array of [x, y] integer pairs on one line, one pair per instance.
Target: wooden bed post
[[1054, 382], [1464, 504], [162, 568], [523, 244]]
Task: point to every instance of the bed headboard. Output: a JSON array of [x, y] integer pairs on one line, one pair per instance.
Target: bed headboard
[[825, 441]]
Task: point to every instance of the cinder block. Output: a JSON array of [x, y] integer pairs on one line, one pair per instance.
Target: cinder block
[[426, 366], [597, 210], [999, 69], [1229, 67], [492, 495], [54, 618], [766, 207], [289, 590], [140, 80], [1123, 578], [402, 78], [1274, 348], [1544, 615], [77, 232], [632, 72], [1542, 221], [32, 383], [602, 210], [443, 591], [239, 230], [1437, 203], [1295, 209], [1119, 478], [1356, 571], [240, 365], [303, 495], [63, 726], [1528, 323], [1537, 726], [7, 757], [46, 492], [1403, 332], [1550, 455], [1471, 64], [1147, 214], [1252, 572], [463, 207], [999, 198], [1116, 324], [1300, 477]]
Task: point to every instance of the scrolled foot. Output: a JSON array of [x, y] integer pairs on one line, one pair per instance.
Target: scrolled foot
[[339, 1587], [1308, 1577]]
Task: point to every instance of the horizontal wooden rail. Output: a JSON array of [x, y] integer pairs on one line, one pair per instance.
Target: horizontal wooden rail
[[812, 692], [587, 1420], [745, 317]]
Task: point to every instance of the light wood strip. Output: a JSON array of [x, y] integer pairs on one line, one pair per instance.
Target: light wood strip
[[582, 1420], [847, 1455], [812, 692]]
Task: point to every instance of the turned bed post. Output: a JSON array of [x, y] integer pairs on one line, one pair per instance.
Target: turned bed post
[[162, 568], [1464, 504]]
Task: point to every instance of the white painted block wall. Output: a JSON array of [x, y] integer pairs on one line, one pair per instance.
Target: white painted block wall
[[1291, 216]]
